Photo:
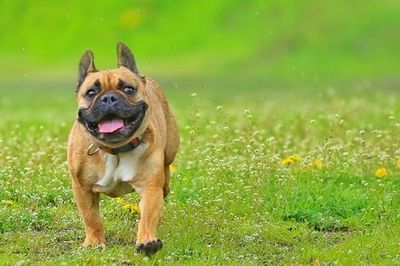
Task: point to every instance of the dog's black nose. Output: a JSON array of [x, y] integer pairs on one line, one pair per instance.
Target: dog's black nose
[[109, 98]]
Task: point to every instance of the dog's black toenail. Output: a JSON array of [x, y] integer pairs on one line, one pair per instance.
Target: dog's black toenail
[[140, 248]]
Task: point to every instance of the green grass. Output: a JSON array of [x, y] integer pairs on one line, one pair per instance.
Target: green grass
[[232, 200], [251, 83]]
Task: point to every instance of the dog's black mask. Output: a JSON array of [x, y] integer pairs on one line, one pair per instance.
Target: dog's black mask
[[112, 106]]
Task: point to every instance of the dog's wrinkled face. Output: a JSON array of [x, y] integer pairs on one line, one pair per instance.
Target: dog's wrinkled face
[[112, 103]]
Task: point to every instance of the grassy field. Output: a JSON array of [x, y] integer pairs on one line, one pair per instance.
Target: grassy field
[[260, 179], [289, 115]]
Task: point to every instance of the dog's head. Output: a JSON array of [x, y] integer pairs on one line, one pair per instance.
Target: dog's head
[[113, 105]]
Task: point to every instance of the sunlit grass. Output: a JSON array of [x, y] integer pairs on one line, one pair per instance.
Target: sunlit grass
[[259, 180]]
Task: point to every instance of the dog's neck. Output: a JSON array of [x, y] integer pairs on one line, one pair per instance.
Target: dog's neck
[[133, 144]]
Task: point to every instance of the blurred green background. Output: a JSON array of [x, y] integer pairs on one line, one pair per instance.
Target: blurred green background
[[237, 45], [317, 79]]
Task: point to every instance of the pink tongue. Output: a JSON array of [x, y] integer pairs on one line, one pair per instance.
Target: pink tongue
[[110, 126]]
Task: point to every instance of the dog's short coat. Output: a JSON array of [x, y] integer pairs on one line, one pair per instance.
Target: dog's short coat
[[124, 139]]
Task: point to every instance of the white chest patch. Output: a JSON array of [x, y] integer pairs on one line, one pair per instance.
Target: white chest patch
[[119, 169]]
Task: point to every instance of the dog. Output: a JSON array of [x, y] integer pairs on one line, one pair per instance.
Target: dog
[[124, 140]]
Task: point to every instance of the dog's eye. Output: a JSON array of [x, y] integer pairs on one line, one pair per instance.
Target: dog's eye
[[90, 94], [129, 90]]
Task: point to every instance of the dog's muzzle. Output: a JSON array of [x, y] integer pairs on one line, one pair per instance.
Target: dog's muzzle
[[111, 118]]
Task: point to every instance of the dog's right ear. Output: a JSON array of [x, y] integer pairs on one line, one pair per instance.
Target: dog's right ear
[[86, 65], [126, 58]]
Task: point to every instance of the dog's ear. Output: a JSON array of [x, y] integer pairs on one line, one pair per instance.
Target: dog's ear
[[86, 65], [126, 58]]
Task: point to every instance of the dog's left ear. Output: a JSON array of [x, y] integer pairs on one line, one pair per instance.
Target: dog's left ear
[[126, 58]]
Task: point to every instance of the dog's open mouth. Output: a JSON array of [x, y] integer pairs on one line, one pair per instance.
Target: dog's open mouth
[[114, 128], [112, 124]]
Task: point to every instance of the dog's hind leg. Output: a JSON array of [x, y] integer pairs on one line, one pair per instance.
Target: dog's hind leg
[[166, 188]]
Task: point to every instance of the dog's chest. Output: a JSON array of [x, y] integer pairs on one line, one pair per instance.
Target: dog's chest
[[119, 170]]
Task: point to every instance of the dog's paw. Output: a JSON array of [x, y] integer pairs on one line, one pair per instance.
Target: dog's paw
[[150, 247], [94, 242]]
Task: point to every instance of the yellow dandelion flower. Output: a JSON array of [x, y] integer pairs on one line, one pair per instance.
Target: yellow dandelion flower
[[291, 160], [317, 163], [9, 202], [119, 199], [296, 158], [381, 172], [398, 163], [172, 169], [287, 161], [132, 207], [315, 261]]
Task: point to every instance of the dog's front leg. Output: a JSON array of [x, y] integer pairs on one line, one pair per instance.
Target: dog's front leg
[[151, 203], [88, 205]]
